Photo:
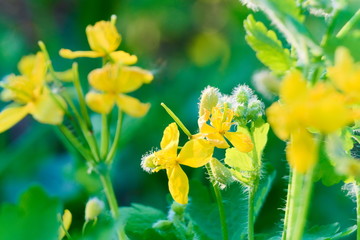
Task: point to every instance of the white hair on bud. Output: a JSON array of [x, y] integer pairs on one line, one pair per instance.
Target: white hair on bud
[[144, 164], [250, 4]]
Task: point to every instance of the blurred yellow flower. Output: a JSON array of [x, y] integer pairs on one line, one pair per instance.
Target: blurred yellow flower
[[30, 95], [113, 81], [103, 39], [66, 222], [345, 74], [320, 108], [219, 129], [195, 153]]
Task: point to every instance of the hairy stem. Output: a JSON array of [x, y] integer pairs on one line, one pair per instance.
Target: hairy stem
[[112, 151]]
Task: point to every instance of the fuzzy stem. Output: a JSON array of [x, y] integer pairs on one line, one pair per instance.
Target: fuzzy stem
[[292, 203], [251, 215], [286, 219], [177, 120], [110, 195], [112, 151], [304, 205], [104, 147], [349, 25], [224, 228]]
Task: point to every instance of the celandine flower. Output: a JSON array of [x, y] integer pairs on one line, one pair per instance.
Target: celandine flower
[[219, 129], [195, 153], [113, 81], [30, 95], [320, 108], [103, 39]]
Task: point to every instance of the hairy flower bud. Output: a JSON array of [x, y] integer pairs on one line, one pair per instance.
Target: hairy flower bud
[[209, 98], [242, 94], [93, 208], [220, 174], [147, 162], [266, 83], [255, 109]]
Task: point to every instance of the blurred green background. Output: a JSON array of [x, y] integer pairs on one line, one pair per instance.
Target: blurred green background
[[189, 45]]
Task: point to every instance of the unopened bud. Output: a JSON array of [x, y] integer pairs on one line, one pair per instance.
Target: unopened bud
[[162, 224], [209, 99], [242, 94], [255, 109], [266, 83], [220, 174], [93, 208]]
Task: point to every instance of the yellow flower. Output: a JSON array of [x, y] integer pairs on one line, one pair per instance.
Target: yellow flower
[[219, 129], [195, 153], [346, 74], [30, 95], [320, 108], [66, 222], [103, 39], [113, 81]]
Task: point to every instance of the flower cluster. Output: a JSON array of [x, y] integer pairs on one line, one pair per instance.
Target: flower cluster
[[216, 123]]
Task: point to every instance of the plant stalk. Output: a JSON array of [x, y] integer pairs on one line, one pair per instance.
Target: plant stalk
[[112, 151], [104, 147], [357, 210], [110, 195], [251, 215], [219, 201], [349, 25]]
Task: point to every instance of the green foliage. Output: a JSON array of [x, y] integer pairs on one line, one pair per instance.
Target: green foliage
[[204, 215], [34, 217], [328, 232], [267, 46]]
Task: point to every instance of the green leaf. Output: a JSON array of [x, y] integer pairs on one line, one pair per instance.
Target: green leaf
[[139, 220], [328, 232], [204, 214], [34, 217], [259, 136], [325, 170], [269, 49], [241, 164]]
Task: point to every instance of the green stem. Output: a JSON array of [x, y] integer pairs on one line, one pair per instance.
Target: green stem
[[292, 204], [331, 28], [358, 210], [110, 195], [75, 142], [80, 94], [349, 25], [224, 228], [177, 120], [251, 215], [304, 205], [104, 136], [112, 151], [286, 219]]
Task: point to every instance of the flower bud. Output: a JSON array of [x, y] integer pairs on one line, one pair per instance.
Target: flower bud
[[266, 83], [93, 208], [242, 94], [162, 224], [255, 109], [220, 174], [209, 98]]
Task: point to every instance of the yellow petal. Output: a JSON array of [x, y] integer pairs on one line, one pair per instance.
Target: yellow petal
[[280, 120], [66, 222], [123, 57], [178, 184], [218, 140], [34, 67], [293, 87], [104, 79], [103, 37], [170, 137], [132, 78], [49, 109], [12, 115], [302, 151], [132, 106], [66, 53], [196, 153], [99, 102], [240, 141]]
